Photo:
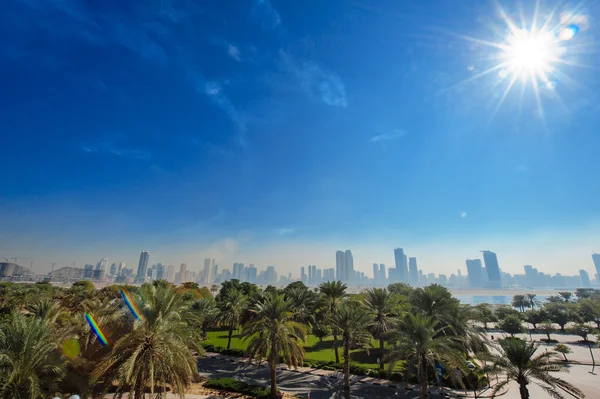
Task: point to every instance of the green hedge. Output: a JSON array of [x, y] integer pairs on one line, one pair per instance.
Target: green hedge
[[223, 351], [231, 385]]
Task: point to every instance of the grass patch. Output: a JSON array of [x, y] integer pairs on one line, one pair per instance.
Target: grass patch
[[316, 351]]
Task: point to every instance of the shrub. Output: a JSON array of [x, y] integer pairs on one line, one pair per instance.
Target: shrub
[[231, 385]]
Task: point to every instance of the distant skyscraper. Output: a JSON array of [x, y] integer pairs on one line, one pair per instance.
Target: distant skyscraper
[[313, 272], [160, 271], [88, 271], [493, 269], [531, 276], [121, 267], [208, 274], [183, 273], [596, 259], [339, 266], [319, 277], [303, 275], [413, 270], [349, 265], [238, 270], [102, 264], [382, 275], [401, 266], [170, 273], [475, 273], [113, 269], [585, 278], [310, 275], [252, 274], [140, 278], [376, 278]]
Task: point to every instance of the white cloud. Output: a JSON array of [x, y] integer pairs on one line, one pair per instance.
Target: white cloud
[[463, 214], [266, 14], [234, 52], [317, 82], [212, 88], [394, 134], [284, 231]]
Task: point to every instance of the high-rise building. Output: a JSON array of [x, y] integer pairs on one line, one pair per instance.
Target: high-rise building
[[140, 278], [329, 274], [382, 275], [121, 267], [376, 278], [303, 275], [413, 271], [585, 278], [88, 271], [238, 270], [160, 271], [493, 269], [596, 259], [102, 264], [252, 274], [171, 273], [531, 276], [349, 264], [340, 266], [313, 272], [401, 266], [319, 276], [475, 273], [113, 269], [310, 275], [208, 274], [183, 273]]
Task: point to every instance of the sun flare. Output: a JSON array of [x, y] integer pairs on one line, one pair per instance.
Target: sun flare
[[530, 53]]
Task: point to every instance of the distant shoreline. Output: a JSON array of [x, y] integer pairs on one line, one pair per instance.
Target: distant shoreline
[[507, 292]]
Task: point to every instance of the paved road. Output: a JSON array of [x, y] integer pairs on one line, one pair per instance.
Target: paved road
[[297, 383]]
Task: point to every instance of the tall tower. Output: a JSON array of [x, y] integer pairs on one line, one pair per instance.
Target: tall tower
[[413, 270], [596, 259], [401, 266], [376, 278], [140, 277], [349, 265], [492, 268], [183, 274], [340, 274]]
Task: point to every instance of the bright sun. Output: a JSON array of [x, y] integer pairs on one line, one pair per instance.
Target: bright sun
[[530, 54]]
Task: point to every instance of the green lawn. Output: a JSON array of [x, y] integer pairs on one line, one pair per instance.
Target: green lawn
[[314, 349]]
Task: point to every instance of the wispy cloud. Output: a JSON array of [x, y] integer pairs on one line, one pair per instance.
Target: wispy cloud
[[394, 134], [463, 215], [317, 82], [110, 148], [284, 231], [234, 52], [266, 14], [215, 92]]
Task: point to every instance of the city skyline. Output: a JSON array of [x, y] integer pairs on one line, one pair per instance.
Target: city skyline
[[479, 273]]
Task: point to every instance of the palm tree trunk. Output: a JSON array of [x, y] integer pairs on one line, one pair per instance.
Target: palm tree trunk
[[335, 348], [230, 334], [381, 353], [565, 356], [524, 391], [273, 365], [347, 367], [423, 378]]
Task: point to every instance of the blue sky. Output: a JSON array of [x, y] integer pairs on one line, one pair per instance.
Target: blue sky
[[276, 132]]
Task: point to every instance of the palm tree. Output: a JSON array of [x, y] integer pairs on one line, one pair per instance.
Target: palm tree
[[30, 363], [518, 361], [381, 304], [421, 344], [333, 293], [273, 333], [566, 296], [206, 309], [304, 303], [532, 301], [520, 302], [353, 322], [231, 308], [46, 310], [158, 351]]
